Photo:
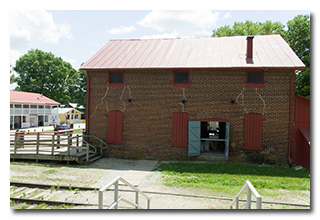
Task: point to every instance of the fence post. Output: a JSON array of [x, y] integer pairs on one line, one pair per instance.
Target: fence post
[[237, 203], [58, 140], [116, 186], [69, 143], [100, 199], [77, 143], [259, 203], [71, 137], [52, 147], [15, 143], [248, 198], [137, 198], [38, 143]]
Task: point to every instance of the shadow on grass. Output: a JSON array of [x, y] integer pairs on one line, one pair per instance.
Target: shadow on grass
[[235, 169]]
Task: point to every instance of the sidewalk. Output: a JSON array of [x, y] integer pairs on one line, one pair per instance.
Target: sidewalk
[[139, 171]]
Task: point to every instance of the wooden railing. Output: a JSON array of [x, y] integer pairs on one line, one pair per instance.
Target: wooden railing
[[48, 143]]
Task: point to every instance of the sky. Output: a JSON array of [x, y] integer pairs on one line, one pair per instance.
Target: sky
[[75, 35]]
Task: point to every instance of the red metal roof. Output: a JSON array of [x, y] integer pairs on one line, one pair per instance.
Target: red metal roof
[[269, 51], [30, 98]]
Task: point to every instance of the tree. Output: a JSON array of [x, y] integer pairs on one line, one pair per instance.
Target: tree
[[13, 78], [297, 35], [249, 28], [79, 89], [44, 73]]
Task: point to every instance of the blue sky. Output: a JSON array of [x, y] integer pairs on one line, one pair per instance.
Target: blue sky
[[75, 35]]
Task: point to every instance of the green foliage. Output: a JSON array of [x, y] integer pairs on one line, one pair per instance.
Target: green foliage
[[296, 33], [298, 37], [43, 73], [249, 28]]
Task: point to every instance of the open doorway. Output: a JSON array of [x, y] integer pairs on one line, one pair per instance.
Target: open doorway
[[213, 135], [208, 137]]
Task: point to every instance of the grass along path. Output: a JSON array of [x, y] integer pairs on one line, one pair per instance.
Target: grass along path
[[227, 179]]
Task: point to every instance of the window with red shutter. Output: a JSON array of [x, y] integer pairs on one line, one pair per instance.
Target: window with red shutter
[[253, 132], [255, 79], [115, 127], [179, 130], [181, 78]]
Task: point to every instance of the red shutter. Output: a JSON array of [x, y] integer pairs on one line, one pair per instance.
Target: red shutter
[[179, 130], [115, 127], [253, 132]]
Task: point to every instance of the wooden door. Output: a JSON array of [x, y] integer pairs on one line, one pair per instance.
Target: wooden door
[[194, 138]]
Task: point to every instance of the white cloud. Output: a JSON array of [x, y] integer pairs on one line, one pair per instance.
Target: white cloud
[[14, 55], [29, 27], [227, 15], [72, 61], [183, 23], [122, 30]]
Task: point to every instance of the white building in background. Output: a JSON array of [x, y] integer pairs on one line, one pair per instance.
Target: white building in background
[[28, 109]]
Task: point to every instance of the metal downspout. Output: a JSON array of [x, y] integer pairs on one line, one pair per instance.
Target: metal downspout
[[290, 118], [88, 106]]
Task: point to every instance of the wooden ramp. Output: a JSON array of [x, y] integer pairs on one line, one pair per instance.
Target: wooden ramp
[[52, 146]]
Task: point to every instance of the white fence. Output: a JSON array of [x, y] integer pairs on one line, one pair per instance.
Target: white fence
[[250, 189]]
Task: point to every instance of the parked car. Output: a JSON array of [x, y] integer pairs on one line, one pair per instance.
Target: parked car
[[61, 127]]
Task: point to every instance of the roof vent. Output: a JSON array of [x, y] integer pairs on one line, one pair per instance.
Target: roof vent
[[249, 49]]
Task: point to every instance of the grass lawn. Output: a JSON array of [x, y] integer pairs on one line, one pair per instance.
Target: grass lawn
[[227, 179]]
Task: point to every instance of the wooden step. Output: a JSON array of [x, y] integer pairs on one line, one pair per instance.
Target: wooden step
[[92, 157]]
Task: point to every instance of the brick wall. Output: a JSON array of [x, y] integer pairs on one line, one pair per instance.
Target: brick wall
[[147, 123]]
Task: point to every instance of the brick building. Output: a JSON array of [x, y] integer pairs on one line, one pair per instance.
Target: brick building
[[228, 97]]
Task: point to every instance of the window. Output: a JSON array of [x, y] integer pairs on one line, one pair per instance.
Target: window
[[253, 132], [115, 119], [179, 130], [255, 79], [181, 79], [116, 79]]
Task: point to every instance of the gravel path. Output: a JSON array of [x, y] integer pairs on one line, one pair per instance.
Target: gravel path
[[104, 170]]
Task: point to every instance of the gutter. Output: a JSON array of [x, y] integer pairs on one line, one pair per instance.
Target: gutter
[[290, 118]]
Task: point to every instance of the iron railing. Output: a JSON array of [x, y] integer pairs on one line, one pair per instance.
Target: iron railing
[[118, 198], [250, 189]]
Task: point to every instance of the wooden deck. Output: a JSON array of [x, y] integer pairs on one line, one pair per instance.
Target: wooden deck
[[52, 146]]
